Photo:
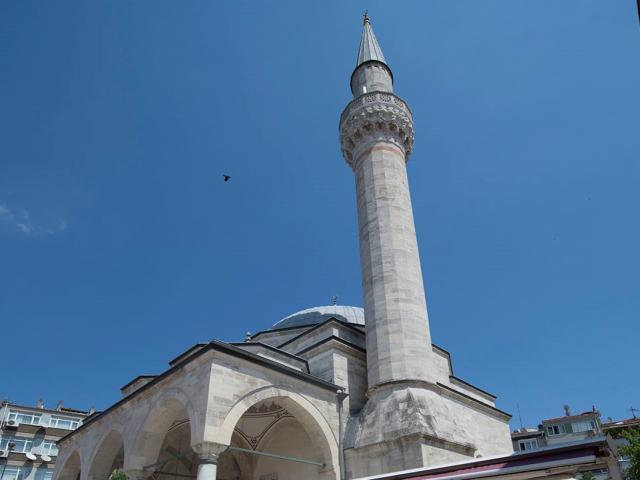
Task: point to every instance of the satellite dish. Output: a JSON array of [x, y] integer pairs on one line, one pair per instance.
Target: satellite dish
[[30, 456], [45, 458]]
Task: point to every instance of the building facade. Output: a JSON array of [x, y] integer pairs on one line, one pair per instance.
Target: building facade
[[571, 430], [558, 431], [28, 437], [330, 392]]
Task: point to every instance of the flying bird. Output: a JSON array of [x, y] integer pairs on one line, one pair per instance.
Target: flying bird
[[227, 177]]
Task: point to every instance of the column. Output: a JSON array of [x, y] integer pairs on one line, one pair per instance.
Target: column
[[208, 453]]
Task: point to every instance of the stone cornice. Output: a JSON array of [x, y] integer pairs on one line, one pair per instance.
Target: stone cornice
[[375, 117]]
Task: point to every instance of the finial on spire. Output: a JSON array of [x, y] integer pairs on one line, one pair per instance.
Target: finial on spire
[[365, 17], [334, 300]]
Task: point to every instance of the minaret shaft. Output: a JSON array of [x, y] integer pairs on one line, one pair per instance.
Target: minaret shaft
[[398, 340], [376, 132]]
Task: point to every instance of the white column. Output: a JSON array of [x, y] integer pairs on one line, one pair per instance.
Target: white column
[[207, 468], [208, 453]]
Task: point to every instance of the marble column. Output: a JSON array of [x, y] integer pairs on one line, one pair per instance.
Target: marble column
[[208, 453]]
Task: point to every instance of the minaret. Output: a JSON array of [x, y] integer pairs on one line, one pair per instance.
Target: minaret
[[376, 133], [417, 413]]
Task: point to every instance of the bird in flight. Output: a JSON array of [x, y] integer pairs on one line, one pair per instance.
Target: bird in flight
[[226, 177]]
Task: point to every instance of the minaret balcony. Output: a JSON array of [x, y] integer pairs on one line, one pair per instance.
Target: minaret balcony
[[375, 117]]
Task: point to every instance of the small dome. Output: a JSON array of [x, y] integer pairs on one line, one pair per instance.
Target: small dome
[[315, 315]]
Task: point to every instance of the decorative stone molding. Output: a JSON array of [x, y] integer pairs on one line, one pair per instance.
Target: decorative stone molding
[[375, 117], [208, 452]]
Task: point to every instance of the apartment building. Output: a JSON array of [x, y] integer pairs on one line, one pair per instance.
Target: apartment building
[[28, 437]]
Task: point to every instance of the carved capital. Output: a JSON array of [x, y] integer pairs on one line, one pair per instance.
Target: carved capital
[[208, 452], [375, 117]]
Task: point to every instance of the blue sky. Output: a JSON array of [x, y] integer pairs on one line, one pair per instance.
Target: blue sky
[[120, 246]]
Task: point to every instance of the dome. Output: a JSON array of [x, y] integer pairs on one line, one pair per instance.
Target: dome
[[315, 315]]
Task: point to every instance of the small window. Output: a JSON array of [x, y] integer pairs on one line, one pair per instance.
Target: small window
[[12, 473], [21, 417], [20, 445], [63, 422], [529, 444], [584, 426], [555, 430], [49, 448], [44, 474]]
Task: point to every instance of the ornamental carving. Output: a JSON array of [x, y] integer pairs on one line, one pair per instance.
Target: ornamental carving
[[373, 117]]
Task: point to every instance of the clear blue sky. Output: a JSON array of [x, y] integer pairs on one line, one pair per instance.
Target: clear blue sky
[[120, 246]]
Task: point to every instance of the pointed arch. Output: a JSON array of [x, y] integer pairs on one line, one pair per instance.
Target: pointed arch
[[71, 467], [108, 455], [172, 406], [306, 413]]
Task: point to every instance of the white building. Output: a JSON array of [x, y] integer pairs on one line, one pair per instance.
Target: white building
[[326, 393], [28, 437]]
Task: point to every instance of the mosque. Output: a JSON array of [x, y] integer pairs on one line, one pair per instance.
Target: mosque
[[332, 392]]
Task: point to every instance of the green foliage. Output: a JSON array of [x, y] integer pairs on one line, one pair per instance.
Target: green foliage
[[118, 475], [631, 451], [587, 476]]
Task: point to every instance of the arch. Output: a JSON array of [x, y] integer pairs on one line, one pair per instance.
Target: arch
[[71, 467], [309, 416], [172, 406], [109, 455]]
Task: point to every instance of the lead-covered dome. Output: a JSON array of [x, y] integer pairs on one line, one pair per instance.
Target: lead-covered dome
[[315, 315]]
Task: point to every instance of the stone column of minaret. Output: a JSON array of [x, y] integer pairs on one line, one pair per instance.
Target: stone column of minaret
[[415, 416], [377, 136]]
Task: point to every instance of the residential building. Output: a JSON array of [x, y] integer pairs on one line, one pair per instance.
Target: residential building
[[527, 439], [572, 428], [558, 431], [28, 437]]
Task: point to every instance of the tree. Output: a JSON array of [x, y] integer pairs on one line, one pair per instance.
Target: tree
[[630, 450], [118, 475], [587, 476]]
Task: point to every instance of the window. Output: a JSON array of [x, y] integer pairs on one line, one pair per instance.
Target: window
[[44, 474], [20, 445], [555, 430], [64, 422], [12, 473], [529, 444], [584, 426], [49, 448], [559, 429], [21, 417]]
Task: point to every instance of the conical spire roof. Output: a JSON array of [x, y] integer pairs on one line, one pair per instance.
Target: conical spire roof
[[369, 47]]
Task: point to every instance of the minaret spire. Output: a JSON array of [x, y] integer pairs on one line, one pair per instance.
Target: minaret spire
[[372, 74], [369, 47]]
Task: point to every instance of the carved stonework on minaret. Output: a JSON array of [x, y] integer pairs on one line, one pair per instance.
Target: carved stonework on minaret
[[375, 117]]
